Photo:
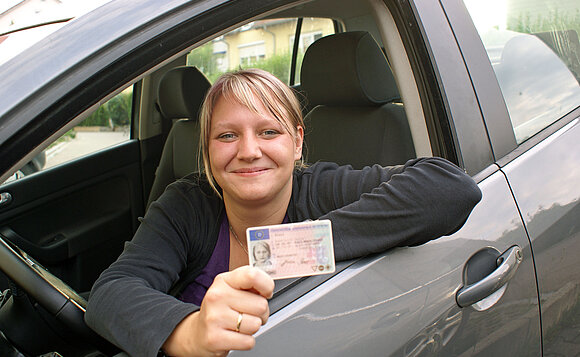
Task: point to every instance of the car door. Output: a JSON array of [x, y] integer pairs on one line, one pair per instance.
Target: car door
[[403, 303], [74, 217], [535, 64], [551, 217]]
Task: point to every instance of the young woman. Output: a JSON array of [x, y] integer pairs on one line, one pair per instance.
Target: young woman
[[262, 255], [190, 243]]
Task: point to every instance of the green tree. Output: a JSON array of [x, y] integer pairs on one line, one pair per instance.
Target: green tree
[[99, 117], [116, 111], [554, 20], [560, 26], [205, 60], [120, 109], [278, 65]]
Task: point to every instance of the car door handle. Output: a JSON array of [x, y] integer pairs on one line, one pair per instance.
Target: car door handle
[[507, 264], [54, 252], [5, 199]]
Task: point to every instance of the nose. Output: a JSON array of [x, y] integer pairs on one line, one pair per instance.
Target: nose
[[249, 148]]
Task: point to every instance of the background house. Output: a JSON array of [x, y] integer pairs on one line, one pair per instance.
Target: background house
[[266, 44]]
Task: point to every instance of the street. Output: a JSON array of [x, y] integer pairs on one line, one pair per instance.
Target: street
[[84, 143]]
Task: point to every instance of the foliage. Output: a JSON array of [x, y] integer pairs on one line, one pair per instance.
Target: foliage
[[278, 65], [69, 135], [115, 112], [554, 20], [120, 109], [206, 61], [558, 23]]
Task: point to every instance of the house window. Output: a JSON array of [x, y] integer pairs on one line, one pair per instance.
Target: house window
[[251, 53], [306, 39]]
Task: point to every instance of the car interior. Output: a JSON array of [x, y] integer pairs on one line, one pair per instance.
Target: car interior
[[359, 94], [180, 95], [359, 84]]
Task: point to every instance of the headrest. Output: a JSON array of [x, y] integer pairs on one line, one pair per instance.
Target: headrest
[[181, 92], [347, 68]]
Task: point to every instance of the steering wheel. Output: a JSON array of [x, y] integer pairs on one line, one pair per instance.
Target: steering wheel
[[62, 308]]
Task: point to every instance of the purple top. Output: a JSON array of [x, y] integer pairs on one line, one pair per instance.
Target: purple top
[[217, 264]]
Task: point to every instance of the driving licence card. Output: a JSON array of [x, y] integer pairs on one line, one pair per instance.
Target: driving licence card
[[292, 250]]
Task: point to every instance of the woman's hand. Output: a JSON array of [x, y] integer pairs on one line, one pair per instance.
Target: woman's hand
[[212, 331]]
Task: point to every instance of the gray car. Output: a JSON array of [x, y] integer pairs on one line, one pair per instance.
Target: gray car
[[492, 86]]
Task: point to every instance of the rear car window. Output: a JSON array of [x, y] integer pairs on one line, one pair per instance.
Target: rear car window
[[534, 49], [266, 44]]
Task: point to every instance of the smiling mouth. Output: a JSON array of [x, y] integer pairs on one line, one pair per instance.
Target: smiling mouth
[[250, 170]]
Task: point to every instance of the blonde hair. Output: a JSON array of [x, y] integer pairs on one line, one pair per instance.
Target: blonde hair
[[243, 87]]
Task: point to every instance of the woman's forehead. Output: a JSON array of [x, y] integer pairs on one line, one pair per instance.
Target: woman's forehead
[[236, 119], [229, 111]]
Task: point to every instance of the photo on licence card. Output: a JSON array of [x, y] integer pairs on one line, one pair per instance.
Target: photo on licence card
[[292, 250]]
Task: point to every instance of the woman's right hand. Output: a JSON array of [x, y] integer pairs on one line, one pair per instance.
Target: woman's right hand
[[211, 331]]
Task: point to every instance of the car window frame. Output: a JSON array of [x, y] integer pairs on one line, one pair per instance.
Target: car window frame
[[490, 99], [454, 120]]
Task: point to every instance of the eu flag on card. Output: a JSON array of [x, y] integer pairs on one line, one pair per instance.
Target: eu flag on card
[[259, 234]]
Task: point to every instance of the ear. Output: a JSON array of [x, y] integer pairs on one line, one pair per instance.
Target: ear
[[299, 141]]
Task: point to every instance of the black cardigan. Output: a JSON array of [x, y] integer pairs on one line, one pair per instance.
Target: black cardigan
[[371, 210]]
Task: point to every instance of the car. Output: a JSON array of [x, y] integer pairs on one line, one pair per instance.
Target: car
[[491, 86]]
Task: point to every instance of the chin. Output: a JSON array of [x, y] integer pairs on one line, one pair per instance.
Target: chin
[[254, 196], [257, 192]]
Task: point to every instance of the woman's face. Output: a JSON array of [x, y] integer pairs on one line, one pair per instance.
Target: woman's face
[[251, 156], [261, 254]]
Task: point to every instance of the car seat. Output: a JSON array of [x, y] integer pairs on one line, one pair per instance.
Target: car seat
[[180, 95], [358, 117]]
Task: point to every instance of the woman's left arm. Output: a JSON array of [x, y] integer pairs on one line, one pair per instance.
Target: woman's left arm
[[378, 208]]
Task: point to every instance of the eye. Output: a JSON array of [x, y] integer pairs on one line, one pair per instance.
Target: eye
[[270, 133], [226, 137]]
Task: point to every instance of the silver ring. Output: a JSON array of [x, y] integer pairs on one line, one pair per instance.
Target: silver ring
[[240, 318]]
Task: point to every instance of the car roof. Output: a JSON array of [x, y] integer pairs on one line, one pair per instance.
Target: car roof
[[14, 42]]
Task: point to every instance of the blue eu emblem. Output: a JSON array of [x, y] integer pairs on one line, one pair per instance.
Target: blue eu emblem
[[259, 234]]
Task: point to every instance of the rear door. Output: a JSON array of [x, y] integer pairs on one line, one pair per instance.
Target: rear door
[[533, 48], [552, 218]]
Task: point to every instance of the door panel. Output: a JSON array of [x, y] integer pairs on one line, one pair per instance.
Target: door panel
[[74, 218], [403, 302], [545, 183]]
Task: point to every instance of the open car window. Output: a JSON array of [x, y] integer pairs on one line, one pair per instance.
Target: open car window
[[107, 126]]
